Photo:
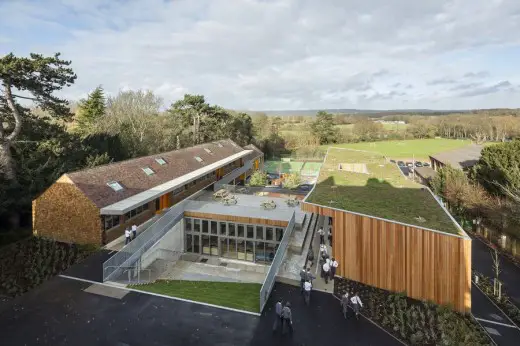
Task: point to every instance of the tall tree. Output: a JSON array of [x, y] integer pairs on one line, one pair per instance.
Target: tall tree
[[35, 78], [192, 110], [499, 165], [91, 110], [324, 129], [242, 129]]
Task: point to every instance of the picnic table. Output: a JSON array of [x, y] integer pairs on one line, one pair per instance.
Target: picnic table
[[220, 193]]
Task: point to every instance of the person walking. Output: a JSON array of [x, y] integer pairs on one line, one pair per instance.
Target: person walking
[[127, 236], [134, 231], [287, 318], [310, 277], [344, 304], [322, 236], [356, 304], [303, 278], [326, 271], [330, 236], [307, 286], [333, 266], [310, 257], [278, 318]]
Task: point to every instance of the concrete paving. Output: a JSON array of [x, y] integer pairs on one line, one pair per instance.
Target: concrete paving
[[60, 312]]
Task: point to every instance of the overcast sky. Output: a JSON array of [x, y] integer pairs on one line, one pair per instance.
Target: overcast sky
[[286, 54]]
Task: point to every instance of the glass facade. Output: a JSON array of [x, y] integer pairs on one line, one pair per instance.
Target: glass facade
[[246, 242]]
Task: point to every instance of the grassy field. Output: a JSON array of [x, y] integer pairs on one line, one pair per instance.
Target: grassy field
[[421, 148], [381, 191], [302, 129], [242, 296]]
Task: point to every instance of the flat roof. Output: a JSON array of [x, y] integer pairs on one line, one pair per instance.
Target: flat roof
[[129, 203], [247, 206], [460, 158], [364, 182]]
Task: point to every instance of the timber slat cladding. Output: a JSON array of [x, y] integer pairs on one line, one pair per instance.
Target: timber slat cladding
[[237, 219], [426, 265]]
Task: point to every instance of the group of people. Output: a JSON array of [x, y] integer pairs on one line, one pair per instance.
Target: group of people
[[354, 302], [129, 236], [306, 278], [283, 317]]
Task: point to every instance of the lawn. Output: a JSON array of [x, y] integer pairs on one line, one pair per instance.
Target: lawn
[[283, 167], [381, 191], [406, 149], [242, 296]]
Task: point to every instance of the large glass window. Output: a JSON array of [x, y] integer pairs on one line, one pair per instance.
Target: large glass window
[[241, 250], [259, 232], [111, 221], [250, 248], [206, 250], [232, 230], [270, 250], [222, 228], [250, 232], [269, 233], [189, 243], [214, 229], [232, 250], [205, 226], [188, 224], [279, 234], [196, 225], [213, 242], [260, 255], [134, 212], [240, 232], [224, 247], [196, 243]]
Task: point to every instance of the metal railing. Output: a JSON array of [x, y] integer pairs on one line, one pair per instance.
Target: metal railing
[[233, 175], [268, 284], [132, 252]]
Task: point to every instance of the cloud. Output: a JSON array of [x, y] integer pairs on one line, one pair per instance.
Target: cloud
[[504, 85], [466, 86], [276, 54]]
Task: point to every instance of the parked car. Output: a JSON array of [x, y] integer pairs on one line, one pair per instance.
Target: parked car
[[305, 187], [400, 163], [426, 164], [418, 164], [392, 161], [409, 164], [273, 176]]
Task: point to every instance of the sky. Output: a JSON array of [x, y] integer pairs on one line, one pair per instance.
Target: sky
[[282, 54]]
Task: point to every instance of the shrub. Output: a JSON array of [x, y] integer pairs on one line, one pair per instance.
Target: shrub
[[413, 321], [258, 178]]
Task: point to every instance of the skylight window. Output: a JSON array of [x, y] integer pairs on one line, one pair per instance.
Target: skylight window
[[148, 171], [208, 151], [199, 159], [160, 161], [220, 145], [115, 185]]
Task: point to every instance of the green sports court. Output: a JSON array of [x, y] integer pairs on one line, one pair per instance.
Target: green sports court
[[304, 168]]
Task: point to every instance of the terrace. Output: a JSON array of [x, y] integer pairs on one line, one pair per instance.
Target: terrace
[[366, 183]]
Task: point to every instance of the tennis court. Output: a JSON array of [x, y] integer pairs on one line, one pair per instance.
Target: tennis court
[[301, 167]]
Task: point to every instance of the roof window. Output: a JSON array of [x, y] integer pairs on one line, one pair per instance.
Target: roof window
[[208, 151], [115, 185], [148, 171], [160, 161], [220, 145], [198, 159]]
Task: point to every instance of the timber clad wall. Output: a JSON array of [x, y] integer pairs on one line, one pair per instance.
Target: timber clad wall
[[63, 213], [426, 265], [237, 219]]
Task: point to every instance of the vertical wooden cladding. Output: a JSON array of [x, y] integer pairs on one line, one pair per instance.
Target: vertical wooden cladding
[[426, 265]]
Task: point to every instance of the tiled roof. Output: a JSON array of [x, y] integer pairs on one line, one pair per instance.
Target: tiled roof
[[460, 158], [256, 152], [130, 175]]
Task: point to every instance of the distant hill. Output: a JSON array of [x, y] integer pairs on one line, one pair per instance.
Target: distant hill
[[371, 112]]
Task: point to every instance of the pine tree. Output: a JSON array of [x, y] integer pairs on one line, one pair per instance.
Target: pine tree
[[91, 110]]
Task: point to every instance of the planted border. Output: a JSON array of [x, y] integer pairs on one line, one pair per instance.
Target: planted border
[[412, 321]]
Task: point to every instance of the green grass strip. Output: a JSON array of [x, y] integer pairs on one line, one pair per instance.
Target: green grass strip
[[242, 296]]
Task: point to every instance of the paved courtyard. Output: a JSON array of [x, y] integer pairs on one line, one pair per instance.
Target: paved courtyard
[[61, 312]]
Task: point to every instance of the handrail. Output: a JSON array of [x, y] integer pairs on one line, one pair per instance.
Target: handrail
[[269, 280]]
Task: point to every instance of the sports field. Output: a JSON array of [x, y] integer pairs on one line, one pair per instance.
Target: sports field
[[420, 148], [303, 168]]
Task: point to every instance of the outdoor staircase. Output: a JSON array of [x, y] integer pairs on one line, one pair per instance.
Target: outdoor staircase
[[296, 256]]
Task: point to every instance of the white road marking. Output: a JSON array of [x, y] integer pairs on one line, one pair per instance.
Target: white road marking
[[498, 323]]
